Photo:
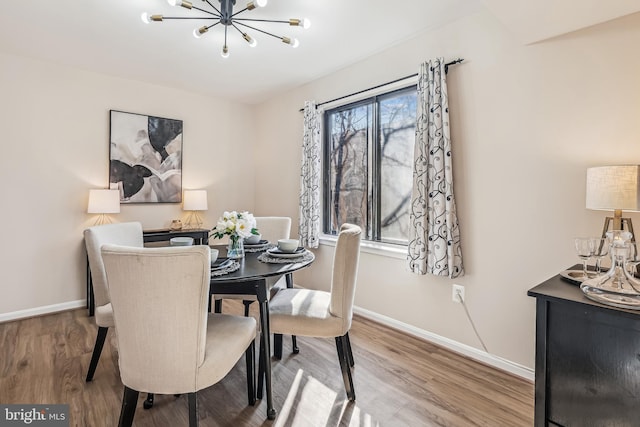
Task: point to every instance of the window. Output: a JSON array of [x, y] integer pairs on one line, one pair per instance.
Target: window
[[368, 157]]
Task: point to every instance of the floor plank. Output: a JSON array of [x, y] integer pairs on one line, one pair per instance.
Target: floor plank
[[399, 381]]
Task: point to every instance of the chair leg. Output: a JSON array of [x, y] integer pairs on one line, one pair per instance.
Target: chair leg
[[148, 403], [277, 346], [294, 341], [247, 304], [193, 409], [346, 369], [97, 350], [128, 411], [250, 356], [260, 372], [352, 362], [218, 306]]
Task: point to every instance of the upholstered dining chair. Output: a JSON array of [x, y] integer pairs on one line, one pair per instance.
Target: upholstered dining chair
[[314, 313], [125, 234], [168, 343]]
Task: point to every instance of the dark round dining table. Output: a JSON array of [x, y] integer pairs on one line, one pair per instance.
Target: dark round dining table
[[254, 277]]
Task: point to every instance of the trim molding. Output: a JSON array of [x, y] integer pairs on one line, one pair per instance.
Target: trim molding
[[39, 311], [465, 350]]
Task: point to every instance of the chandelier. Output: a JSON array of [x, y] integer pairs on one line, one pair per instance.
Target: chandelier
[[224, 15]]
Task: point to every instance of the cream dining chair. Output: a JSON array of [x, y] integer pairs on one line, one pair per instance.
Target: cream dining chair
[[168, 343], [125, 234], [313, 313]]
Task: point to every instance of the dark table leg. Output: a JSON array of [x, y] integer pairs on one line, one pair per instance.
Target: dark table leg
[[265, 343]]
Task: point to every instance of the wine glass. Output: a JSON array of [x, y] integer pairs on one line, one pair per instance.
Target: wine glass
[[632, 260], [585, 248], [600, 250]]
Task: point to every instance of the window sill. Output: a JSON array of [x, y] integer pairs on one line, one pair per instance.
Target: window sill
[[377, 248]]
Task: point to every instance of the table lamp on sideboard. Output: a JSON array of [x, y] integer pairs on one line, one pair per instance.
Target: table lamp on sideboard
[[194, 201], [103, 202], [617, 189]]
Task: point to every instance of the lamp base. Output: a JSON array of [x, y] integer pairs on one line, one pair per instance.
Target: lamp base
[[102, 219], [193, 221]]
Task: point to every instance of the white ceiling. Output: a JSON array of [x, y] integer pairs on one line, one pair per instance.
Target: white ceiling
[[108, 36]]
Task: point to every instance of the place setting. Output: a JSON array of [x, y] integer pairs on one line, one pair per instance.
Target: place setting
[[222, 265], [286, 252], [255, 243]]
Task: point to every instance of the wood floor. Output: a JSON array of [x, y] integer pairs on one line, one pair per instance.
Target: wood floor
[[399, 381]]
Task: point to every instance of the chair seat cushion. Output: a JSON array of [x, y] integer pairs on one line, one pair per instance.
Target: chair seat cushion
[[227, 339], [304, 312], [104, 316]]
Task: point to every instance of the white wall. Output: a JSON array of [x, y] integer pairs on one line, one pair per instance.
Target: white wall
[[55, 133], [526, 123]]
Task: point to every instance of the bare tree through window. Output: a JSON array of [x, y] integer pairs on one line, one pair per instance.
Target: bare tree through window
[[369, 154]]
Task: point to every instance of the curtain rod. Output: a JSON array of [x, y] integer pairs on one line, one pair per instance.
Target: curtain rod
[[446, 70]]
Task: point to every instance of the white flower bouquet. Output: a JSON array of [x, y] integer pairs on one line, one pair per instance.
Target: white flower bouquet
[[235, 225]]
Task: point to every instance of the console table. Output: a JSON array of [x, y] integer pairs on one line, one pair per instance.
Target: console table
[[199, 235], [587, 359]]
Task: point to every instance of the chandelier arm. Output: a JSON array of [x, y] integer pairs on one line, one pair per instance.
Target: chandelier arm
[[213, 7], [240, 11], [256, 29], [206, 11], [189, 17], [262, 20], [237, 29]]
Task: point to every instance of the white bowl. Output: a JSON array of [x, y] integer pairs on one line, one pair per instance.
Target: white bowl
[[181, 241], [253, 239], [214, 255], [288, 245]]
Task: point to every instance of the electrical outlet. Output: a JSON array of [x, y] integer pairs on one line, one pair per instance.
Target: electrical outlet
[[457, 293]]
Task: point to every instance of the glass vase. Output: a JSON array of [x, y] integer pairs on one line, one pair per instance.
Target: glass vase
[[235, 249]]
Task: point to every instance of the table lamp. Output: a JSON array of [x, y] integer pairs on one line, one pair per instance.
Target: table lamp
[[103, 202], [615, 188], [194, 201]]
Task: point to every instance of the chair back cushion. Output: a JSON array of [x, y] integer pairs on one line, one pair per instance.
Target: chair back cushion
[[159, 299], [123, 234], [345, 270], [274, 228]]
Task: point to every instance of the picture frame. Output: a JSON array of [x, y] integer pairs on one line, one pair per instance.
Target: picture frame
[[145, 157]]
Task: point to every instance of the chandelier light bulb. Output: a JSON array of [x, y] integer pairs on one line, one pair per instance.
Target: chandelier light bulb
[[173, 2], [145, 18], [198, 32], [306, 23], [260, 3], [225, 52], [294, 43], [252, 42]]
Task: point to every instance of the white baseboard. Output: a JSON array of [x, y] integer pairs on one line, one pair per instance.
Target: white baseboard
[[471, 352], [39, 311]]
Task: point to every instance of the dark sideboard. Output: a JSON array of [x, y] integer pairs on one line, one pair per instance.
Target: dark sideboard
[[587, 359], [200, 237]]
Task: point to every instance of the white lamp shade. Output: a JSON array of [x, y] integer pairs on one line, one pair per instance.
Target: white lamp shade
[[195, 200], [614, 188], [104, 201]]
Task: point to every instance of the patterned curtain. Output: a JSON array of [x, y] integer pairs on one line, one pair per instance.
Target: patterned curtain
[[434, 240], [311, 174]]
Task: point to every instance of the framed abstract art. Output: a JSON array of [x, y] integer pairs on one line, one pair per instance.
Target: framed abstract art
[[145, 158]]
